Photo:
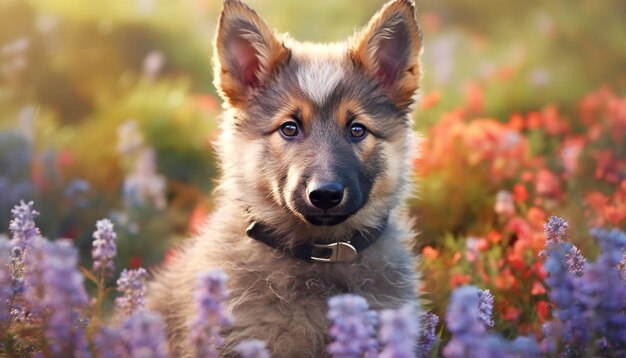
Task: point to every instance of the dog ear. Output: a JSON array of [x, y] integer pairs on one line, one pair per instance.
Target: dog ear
[[247, 53], [389, 49]]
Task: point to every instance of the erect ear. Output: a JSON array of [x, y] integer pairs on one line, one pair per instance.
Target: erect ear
[[389, 48], [247, 53]]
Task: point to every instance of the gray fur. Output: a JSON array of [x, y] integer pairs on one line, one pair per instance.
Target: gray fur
[[273, 296]]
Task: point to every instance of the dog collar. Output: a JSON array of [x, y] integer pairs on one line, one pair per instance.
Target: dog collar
[[342, 251]]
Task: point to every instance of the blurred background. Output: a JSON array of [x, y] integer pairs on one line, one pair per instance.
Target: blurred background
[[107, 109]]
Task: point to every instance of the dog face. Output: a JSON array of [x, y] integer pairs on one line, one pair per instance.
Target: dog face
[[320, 132]]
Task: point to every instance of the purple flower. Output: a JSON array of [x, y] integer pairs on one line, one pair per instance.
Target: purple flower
[[144, 333], [555, 228], [468, 331], [353, 327], [32, 277], [6, 289], [525, 347], [575, 261], [463, 315], [132, 283], [104, 249], [612, 243], [109, 343], [399, 330], [469, 334], [485, 308], [601, 291], [22, 226], [252, 349], [209, 296], [428, 336], [562, 292], [64, 295]]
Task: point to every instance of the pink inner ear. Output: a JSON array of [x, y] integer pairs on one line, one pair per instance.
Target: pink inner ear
[[392, 56], [246, 60]]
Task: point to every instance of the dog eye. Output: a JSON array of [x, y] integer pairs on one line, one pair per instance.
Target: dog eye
[[357, 130], [289, 129]]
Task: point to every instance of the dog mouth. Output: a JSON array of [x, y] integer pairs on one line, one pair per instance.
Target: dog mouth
[[325, 219]]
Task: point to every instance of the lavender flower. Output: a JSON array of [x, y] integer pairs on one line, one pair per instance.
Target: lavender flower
[[352, 330], [463, 315], [32, 277], [6, 290], [428, 336], [132, 283], [562, 288], [109, 343], [575, 261], [22, 226], [555, 228], [252, 349], [469, 334], [104, 249], [485, 308], [612, 243], [144, 333], [64, 295], [399, 331], [602, 293], [209, 296], [466, 326]]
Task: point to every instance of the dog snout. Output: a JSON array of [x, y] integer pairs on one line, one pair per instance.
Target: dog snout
[[325, 194]]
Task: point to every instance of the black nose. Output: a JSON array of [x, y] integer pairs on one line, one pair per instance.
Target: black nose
[[325, 195]]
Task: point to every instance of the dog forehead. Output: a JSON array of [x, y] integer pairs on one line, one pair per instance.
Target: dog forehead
[[320, 69]]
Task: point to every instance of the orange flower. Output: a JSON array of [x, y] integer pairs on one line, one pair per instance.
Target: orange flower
[[430, 252], [458, 279], [430, 100], [510, 313], [494, 237], [536, 218], [537, 289], [516, 122], [474, 98], [505, 73], [206, 103], [552, 123], [505, 280], [533, 120], [520, 194]]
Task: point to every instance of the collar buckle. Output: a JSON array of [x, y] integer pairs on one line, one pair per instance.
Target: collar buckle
[[338, 252]]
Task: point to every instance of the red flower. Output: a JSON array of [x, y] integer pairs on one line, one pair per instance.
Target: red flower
[[510, 313], [458, 279], [520, 194], [135, 262], [543, 310]]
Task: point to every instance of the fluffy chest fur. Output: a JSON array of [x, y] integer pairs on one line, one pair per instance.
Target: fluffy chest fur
[[276, 298]]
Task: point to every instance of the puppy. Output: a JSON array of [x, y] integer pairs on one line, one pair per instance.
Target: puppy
[[316, 157]]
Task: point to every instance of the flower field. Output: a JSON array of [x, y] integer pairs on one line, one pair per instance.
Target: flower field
[[106, 123]]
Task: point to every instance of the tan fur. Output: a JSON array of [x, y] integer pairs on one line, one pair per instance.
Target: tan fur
[[275, 297], [366, 45]]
